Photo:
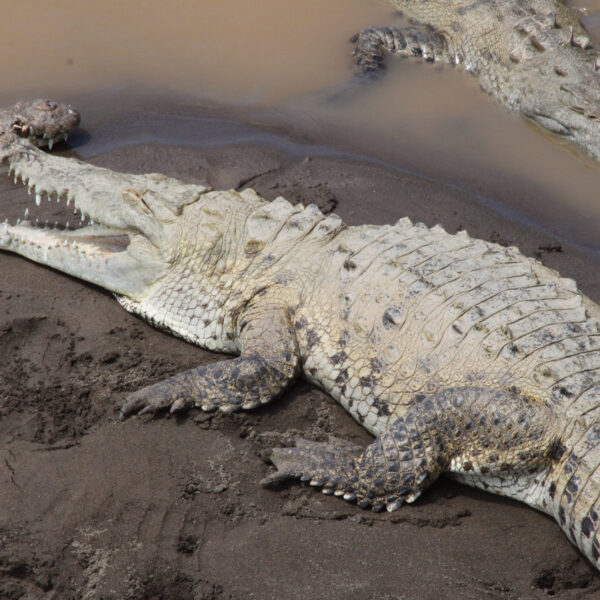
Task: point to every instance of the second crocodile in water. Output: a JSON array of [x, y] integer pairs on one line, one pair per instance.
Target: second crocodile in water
[[461, 356], [534, 56]]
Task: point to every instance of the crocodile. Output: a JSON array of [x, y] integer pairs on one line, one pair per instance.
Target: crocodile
[[43, 122], [460, 356], [534, 56]]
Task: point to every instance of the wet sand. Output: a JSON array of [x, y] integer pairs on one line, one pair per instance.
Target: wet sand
[[171, 508]]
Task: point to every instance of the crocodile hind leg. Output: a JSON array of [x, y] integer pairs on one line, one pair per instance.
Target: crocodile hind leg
[[492, 439], [377, 477], [268, 364], [373, 45]]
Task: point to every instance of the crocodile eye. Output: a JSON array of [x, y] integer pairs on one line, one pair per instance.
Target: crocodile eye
[[46, 105], [134, 198]]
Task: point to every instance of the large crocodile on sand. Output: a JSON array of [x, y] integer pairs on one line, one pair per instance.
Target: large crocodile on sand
[[461, 356], [534, 56]]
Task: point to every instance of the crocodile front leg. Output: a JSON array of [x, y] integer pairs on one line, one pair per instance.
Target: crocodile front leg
[[499, 440], [373, 45], [268, 364]]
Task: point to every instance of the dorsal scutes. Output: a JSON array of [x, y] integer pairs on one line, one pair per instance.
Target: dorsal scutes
[[265, 222], [329, 226], [403, 223], [281, 221], [300, 224]]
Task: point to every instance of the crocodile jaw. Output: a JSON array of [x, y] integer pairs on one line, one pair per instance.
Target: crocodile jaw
[[132, 237], [111, 258]]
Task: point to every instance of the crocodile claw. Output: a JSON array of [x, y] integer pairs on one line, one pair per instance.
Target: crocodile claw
[[132, 405], [147, 401], [155, 405]]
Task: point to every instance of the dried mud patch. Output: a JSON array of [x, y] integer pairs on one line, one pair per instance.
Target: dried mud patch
[[27, 567], [64, 382], [296, 185]]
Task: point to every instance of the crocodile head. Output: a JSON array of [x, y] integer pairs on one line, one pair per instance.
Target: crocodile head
[[570, 108], [43, 122], [131, 225]]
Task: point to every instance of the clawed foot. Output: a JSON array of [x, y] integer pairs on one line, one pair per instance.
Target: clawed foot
[[242, 383], [335, 468], [170, 395], [150, 401]]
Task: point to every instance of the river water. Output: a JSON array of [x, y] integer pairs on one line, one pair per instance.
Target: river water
[[276, 59]]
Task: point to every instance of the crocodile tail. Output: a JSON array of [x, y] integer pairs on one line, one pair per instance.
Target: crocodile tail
[[575, 490]]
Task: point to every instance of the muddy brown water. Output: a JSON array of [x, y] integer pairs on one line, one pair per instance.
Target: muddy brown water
[[431, 120]]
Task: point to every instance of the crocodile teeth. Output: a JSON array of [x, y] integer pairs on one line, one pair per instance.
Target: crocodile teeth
[[38, 199]]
